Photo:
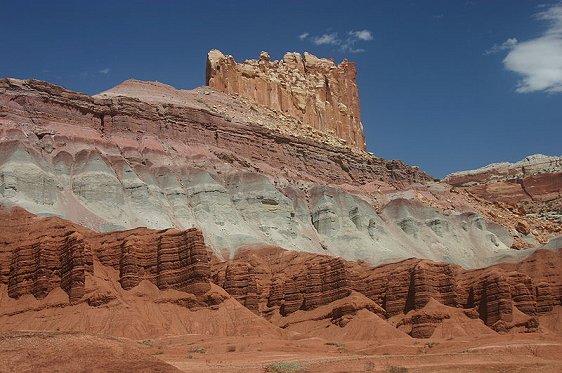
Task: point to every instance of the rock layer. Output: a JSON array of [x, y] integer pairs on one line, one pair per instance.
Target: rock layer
[[533, 185], [46, 256], [113, 162], [316, 91], [287, 282], [39, 255]]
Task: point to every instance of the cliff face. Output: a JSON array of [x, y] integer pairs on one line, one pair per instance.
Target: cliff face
[[38, 255], [147, 155], [532, 185], [504, 297], [315, 91], [161, 279]]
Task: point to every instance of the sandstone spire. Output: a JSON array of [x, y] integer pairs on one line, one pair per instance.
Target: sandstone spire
[[315, 91]]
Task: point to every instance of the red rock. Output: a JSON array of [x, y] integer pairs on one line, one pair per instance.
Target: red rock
[[532, 185], [114, 121], [298, 281], [523, 227], [39, 255]]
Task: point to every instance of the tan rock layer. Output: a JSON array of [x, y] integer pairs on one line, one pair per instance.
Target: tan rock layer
[[316, 91]]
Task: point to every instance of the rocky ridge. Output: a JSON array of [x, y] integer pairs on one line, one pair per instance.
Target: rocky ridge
[[39, 255], [504, 296], [126, 159], [532, 185]]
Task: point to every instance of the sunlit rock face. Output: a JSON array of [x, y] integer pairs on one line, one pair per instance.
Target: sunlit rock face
[[316, 91], [532, 185]]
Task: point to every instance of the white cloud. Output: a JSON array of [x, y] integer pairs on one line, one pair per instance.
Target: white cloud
[[496, 48], [331, 38], [344, 44], [539, 61], [104, 71], [362, 35]]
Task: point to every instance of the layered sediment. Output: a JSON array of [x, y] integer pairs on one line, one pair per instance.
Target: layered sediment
[[533, 185], [288, 282], [147, 155], [414, 295], [39, 255]]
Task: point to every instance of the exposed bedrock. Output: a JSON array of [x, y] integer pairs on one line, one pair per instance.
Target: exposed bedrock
[[274, 281], [38, 255], [236, 207], [316, 91], [147, 155], [532, 185]]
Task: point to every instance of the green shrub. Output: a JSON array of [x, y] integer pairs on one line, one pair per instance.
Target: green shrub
[[198, 350], [284, 367], [398, 370]]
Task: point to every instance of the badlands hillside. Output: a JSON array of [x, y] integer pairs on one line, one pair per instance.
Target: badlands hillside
[[243, 224]]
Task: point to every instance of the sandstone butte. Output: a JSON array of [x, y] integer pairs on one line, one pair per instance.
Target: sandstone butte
[[235, 225], [316, 91]]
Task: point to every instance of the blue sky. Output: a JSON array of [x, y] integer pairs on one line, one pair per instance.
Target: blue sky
[[445, 85]]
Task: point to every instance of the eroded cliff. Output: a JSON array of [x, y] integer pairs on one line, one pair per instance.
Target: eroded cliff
[[145, 282], [532, 185], [317, 92]]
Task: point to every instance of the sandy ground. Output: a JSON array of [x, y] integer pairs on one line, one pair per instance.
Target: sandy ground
[[509, 353], [28, 351]]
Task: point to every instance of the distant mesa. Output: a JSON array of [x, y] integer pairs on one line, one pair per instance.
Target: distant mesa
[[317, 92]]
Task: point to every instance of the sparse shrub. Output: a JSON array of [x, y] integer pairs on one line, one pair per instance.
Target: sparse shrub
[[198, 350], [147, 342], [190, 356], [231, 348], [337, 344], [341, 347], [331, 343], [431, 344], [369, 366], [398, 370], [284, 367]]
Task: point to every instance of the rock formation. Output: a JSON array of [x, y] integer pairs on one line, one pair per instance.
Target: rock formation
[[248, 211], [287, 282], [39, 255], [45, 256], [147, 155], [532, 185], [316, 91]]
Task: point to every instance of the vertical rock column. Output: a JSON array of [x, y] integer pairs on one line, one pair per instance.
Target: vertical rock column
[[183, 262]]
